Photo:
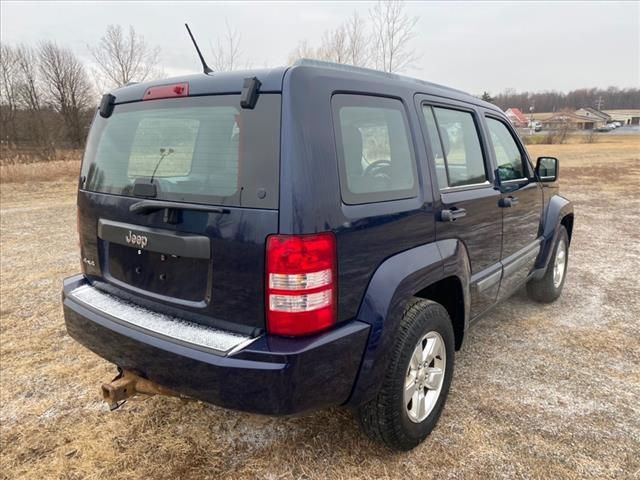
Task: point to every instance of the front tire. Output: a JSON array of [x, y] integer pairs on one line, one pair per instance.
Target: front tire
[[416, 384], [549, 287]]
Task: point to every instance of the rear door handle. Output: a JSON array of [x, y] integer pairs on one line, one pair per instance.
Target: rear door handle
[[509, 201], [451, 215]]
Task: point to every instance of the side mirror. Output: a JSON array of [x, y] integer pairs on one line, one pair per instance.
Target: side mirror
[[547, 169]]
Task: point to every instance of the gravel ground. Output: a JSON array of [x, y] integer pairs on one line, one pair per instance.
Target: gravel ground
[[538, 392]]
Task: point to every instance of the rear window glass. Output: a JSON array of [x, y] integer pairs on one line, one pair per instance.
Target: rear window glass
[[374, 148], [201, 150], [149, 140]]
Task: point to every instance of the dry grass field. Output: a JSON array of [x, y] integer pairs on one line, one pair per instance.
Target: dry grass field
[[19, 167], [540, 392]]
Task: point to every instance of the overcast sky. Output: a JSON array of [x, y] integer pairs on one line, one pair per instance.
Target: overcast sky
[[473, 46]]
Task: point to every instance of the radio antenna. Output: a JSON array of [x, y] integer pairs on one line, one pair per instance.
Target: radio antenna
[[205, 67]]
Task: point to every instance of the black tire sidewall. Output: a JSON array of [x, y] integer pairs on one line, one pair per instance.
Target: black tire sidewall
[[433, 317], [543, 290]]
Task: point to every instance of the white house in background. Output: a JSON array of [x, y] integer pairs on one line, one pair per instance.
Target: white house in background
[[592, 113], [625, 116], [572, 121]]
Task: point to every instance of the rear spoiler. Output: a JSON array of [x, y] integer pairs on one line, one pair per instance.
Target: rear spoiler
[[248, 95]]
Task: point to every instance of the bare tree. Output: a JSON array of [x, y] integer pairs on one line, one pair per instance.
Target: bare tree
[[346, 44], [29, 95], [392, 35], [29, 91], [67, 87], [8, 93], [357, 51], [227, 52], [125, 57], [384, 43], [303, 50], [334, 46]]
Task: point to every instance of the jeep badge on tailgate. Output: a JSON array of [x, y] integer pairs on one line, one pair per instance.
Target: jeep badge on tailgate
[[137, 240]]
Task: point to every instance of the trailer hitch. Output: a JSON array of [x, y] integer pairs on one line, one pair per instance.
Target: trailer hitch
[[127, 384]]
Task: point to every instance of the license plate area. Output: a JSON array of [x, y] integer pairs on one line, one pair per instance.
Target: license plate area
[[163, 274]]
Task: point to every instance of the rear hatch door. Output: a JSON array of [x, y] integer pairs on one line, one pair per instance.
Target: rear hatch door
[[177, 197]]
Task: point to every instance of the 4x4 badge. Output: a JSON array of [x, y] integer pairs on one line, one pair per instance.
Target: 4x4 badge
[[137, 240]]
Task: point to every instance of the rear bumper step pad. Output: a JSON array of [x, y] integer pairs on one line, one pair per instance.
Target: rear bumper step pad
[[159, 324]]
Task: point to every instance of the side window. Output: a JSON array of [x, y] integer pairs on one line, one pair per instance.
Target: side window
[[374, 149], [508, 156], [456, 145]]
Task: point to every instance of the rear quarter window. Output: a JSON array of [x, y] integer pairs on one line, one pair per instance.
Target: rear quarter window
[[374, 148]]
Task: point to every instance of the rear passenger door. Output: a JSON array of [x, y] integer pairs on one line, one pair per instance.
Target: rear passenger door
[[466, 203], [521, 204]]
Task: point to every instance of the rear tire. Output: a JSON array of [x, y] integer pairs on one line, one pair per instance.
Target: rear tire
[[549, 287], [416, 384]]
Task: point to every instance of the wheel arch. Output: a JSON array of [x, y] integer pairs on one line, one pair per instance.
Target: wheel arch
[[559, 212], [449, 293], [423, 272], [567, 222]]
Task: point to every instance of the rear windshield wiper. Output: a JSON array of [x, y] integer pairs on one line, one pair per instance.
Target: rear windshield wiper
[[144, 188], [164, 153], [149, 206]]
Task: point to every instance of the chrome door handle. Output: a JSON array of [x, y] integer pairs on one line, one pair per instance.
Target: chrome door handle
[[451, 215]]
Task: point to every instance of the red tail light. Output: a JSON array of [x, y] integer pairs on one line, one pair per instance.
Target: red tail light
[[301, 283]]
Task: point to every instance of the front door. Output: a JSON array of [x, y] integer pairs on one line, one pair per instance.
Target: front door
[[521, 205], [468, 202]]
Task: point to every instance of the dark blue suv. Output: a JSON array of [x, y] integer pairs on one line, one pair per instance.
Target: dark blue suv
[[284, 240]]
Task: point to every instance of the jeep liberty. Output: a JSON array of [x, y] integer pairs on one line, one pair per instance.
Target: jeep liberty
[[283, 240]]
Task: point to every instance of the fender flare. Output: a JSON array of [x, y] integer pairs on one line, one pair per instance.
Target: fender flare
[[392, 285], [557, 209]]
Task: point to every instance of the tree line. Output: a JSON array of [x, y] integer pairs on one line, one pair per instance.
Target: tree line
[[611, 98], [48, 95]]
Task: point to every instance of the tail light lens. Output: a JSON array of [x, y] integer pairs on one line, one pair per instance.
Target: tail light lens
[[301, 283]]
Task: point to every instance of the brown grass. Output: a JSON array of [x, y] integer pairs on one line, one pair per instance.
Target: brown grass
[[575, 152], [539, 392], [19, 166], [40, 171]]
